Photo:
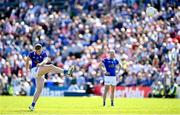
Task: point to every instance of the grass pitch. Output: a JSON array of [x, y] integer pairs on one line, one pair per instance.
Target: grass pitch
[[88, 105]]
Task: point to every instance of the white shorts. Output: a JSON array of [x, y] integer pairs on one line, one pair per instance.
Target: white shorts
[[34, 72], [110, 80]]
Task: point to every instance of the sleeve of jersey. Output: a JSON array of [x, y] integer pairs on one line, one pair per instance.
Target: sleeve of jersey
[[45, 54], [117, 62]]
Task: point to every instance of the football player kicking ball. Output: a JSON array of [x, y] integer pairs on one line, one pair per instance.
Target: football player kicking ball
[[109, 67], [39, 68]]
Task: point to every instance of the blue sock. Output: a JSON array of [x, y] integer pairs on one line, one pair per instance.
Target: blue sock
[[33, 104], [65, 72]]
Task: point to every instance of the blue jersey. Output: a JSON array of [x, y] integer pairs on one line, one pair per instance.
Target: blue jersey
[[35, 58], [110, 65]]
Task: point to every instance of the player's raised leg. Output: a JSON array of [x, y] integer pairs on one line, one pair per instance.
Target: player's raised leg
[[51, 68], [106, 89], [39, 87]]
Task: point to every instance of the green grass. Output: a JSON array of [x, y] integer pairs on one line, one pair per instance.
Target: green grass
[[88, 105]]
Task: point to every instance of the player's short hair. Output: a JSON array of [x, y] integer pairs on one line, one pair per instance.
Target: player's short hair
[[111, 51], [37, 46]]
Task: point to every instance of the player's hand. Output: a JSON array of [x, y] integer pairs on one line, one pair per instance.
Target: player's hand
[[107, 73]]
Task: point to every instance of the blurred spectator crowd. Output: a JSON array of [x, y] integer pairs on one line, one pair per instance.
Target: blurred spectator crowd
[[81, 34]]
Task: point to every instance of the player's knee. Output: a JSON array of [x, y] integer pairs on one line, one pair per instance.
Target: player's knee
[[51, 65]]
